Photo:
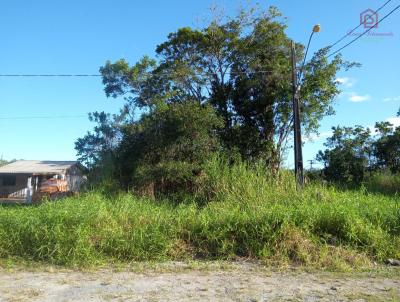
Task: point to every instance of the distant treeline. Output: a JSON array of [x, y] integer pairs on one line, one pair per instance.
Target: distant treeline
[[354, 152]]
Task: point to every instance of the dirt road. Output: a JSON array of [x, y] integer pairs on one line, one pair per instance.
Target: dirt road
[[240, 283]]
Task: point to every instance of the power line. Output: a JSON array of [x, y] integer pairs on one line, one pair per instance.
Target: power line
[[358, 26], [364, 33], [228, 73], [99, 75], [312, 163], [42, 117], [50, 75]]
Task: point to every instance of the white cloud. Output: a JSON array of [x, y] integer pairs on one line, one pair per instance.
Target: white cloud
[[347, 82], [372, 129], [392, 99], [395, 121], [357, 98]]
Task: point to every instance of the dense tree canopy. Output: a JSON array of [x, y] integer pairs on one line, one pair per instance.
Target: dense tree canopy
[[237, 72], [346, 158], [387, 147], [169, 146], [352, 151]]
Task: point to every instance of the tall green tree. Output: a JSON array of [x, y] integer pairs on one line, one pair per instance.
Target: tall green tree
[[168, 147], [347, 156], [95, 146], [241, 68], [387, 147]]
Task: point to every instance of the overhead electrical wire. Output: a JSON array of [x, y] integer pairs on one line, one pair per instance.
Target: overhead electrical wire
[[364, 33], [99, 75], [50, 75], [42, 117], [236, 72], [358, 26]]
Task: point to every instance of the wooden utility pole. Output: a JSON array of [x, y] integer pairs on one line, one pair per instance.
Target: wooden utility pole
[[312, 162], [298, 153]]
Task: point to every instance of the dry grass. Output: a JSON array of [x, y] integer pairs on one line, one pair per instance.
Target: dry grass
[[243, 214]]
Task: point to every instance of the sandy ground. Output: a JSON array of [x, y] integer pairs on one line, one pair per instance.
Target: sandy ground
[[240, 283]]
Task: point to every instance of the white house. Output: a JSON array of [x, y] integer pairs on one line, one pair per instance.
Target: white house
[[25, 181]]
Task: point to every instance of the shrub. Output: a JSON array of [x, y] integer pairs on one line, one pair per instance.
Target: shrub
[[385, 183], [168, 147], [247, 214]]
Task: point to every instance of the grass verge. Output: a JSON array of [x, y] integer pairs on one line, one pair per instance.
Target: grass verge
[[249, 216]]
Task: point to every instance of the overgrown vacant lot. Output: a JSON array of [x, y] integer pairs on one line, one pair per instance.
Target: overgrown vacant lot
[[237, 213]]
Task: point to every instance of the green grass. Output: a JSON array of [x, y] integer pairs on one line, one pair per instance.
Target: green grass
[[248, 214], [385, 183]]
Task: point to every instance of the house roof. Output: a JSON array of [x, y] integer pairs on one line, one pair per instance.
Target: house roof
[[37, 167]]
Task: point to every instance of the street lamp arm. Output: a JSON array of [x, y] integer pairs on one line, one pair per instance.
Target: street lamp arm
[[316, 29], [305, 57]]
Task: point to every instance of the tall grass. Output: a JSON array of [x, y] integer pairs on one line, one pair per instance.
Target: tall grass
[[248, 214], [385, 183]]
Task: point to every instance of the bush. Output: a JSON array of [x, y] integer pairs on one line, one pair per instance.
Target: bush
[[247, 214], [386, 183], [167, 149]]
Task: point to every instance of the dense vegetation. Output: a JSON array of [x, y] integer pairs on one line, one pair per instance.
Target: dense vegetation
[[251, 215], [226, 89], [191, 167], [354, 154]]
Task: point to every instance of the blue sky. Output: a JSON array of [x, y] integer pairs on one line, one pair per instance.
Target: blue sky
[[73, 36]]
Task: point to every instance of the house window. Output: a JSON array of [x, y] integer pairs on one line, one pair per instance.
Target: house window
[[9, 180]]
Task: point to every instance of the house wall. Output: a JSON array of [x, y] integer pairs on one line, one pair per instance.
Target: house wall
[[20, 184], [74, 178]]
